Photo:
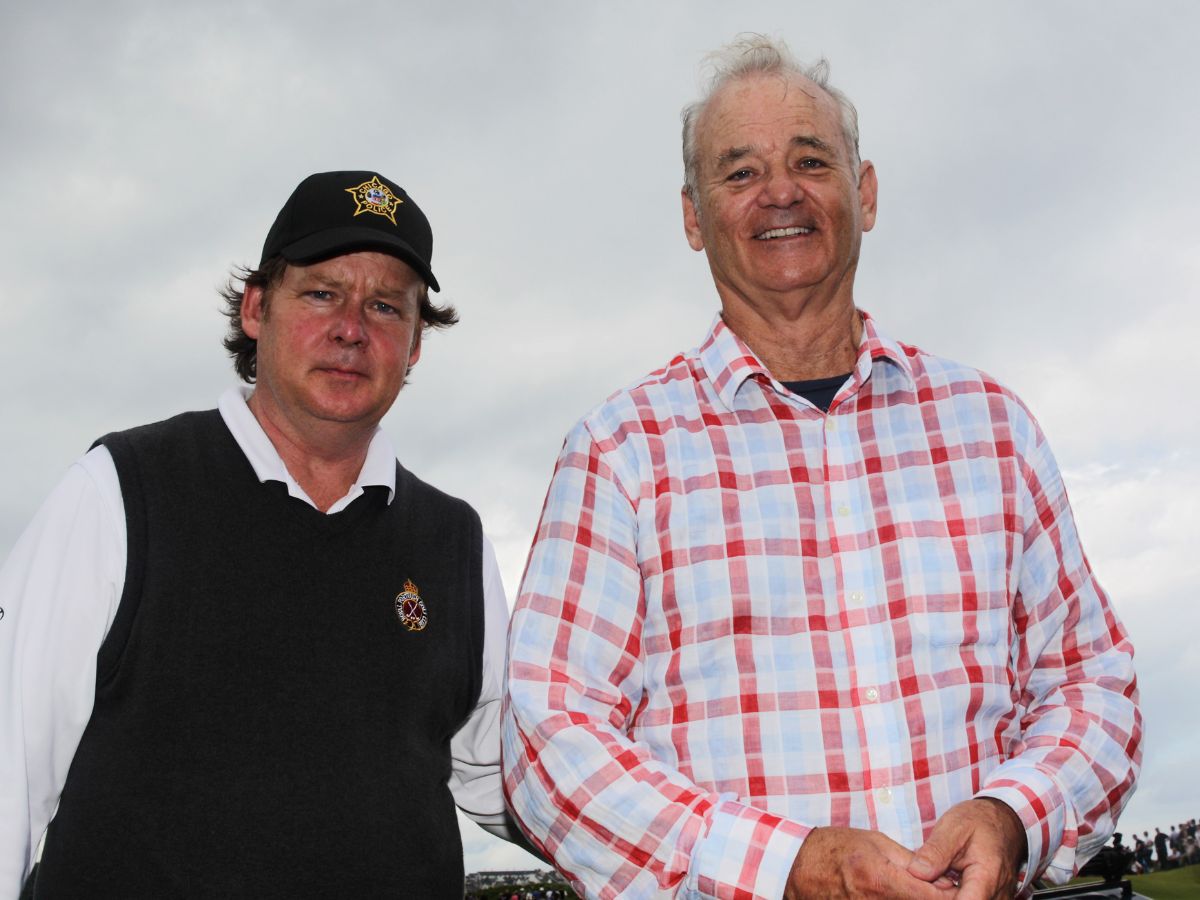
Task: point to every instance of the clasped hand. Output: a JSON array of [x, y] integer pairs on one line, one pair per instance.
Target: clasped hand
[[973, 853]]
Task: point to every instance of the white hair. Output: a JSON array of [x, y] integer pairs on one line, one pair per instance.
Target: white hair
[[757, 54]]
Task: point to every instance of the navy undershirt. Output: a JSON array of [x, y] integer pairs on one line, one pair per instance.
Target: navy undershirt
[[820, 391]]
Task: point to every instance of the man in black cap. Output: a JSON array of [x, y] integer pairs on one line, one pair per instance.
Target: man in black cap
[[246, 653]]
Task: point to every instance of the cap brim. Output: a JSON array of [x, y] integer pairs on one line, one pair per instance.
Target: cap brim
[[348, 239]]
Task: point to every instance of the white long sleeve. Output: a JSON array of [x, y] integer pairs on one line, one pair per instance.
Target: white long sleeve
[[59, 591]]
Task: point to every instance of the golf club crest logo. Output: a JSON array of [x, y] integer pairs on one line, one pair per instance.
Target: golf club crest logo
[[375, 197], [410, 608]]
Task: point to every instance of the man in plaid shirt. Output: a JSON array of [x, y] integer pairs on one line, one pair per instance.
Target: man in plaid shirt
[[806, 613]]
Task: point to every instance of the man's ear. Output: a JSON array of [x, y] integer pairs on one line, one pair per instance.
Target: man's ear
[[415, 353], [691, 221], [253, 310], [868, 194]]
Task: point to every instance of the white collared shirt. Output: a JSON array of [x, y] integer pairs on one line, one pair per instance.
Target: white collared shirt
[[59, 592]]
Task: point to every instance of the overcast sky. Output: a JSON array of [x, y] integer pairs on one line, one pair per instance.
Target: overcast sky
[[1038, 194]]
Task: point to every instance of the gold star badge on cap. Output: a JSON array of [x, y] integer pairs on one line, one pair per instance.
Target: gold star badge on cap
[[374, 197], [410, 608]]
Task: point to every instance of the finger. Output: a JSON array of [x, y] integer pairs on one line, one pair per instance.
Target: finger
[[932, 861], [948, 879], [880, 870], [903, 885], [896, 854], [938, 853], [980, 883]]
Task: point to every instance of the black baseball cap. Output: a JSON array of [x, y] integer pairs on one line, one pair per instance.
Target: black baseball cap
[[332, 213]]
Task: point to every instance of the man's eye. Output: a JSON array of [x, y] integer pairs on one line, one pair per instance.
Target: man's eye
[[811, 163], [386, 309], [740, 175], [320, 295]]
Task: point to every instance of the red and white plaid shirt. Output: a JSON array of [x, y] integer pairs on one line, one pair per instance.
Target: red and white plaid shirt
[[743, 618]]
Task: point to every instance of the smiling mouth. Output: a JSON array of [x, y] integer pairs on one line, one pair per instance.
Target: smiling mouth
[[782, 232]]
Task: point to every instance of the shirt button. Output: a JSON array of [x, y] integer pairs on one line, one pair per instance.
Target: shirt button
[[872, 695], [856, 596], [843, 510], [830, 424], [884, 795]]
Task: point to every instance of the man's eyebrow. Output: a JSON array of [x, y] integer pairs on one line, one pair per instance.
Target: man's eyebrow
[[733, 154], [811, 140], [307, 282], [323, 280], [390, 292]]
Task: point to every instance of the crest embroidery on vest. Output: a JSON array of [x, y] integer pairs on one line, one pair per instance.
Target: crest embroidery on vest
[[410, 608]]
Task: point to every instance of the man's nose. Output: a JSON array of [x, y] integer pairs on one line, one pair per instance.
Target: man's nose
[[780, 188], [350, 326]]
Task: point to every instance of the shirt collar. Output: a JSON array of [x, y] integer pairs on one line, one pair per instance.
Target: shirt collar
[[379, 468], [875, 346], [729, 363]]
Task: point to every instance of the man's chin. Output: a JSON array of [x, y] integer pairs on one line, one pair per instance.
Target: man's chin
[[347, 410]]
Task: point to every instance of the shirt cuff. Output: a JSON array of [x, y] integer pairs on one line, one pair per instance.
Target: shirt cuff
[[746, 853], [1050, 832]]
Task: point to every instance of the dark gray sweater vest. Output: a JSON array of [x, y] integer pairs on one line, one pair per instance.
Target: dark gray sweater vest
[[265, 725]]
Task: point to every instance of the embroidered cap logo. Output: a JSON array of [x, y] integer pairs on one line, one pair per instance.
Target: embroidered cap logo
[[375, 197]]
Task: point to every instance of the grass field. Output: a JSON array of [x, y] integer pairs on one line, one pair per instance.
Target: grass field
[[1174, 884]]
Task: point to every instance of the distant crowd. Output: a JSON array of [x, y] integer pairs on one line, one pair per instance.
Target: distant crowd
[[538, 893], [1163, 850]]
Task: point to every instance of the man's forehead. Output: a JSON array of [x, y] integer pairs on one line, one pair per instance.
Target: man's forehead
[[367, 264], [357, 260], [748, 105]]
